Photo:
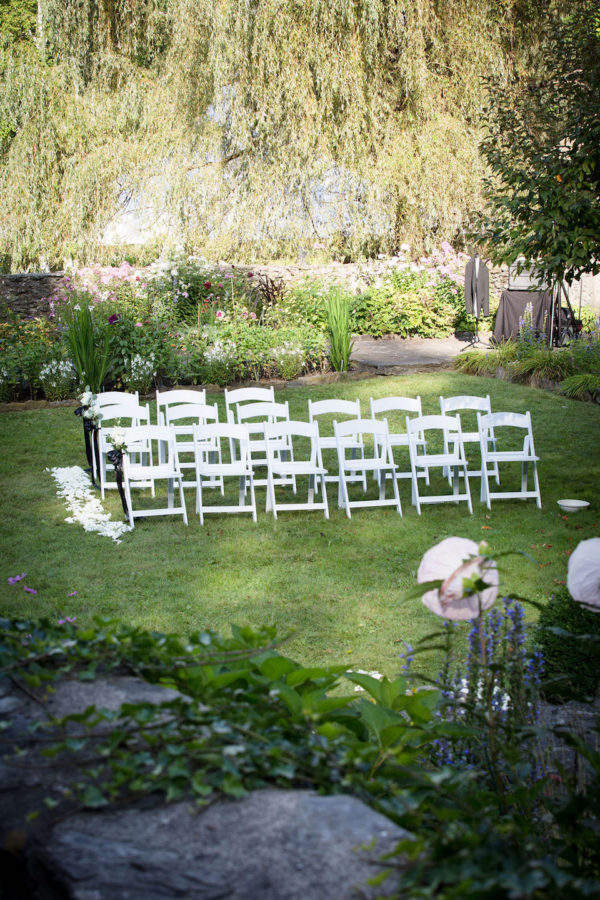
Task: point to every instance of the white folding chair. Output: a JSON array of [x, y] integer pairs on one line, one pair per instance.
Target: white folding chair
[[376, 458], [506, 429], [336, 407], [303, 461], [399, 438], [445, 453], [469, 403], [168, 399], [210, 470], [138, 473], [254, 417], [183, 418], [125, 414]]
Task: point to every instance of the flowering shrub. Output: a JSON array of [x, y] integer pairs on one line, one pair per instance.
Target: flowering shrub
[[57, 378], [289, 360], [139, 373]]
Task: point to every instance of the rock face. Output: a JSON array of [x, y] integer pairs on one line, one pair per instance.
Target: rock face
[[272, 845]]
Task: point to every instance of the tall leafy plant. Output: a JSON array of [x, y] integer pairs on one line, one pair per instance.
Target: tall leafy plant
[[340, 335], [90, 350]]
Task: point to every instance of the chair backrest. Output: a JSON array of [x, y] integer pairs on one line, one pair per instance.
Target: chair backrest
[[490, 422], [131, 410], [395, 404], [450, 434], [165, 399], [465, 402], [144, 436], [109, 398], [241, 396], [333, 406], [257, 413], [229, 432], [446, 424], [195, 413], [281, 434], [356, 429]]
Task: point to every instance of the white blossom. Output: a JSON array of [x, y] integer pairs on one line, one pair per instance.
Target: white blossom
[[583, 578], [453, 560]]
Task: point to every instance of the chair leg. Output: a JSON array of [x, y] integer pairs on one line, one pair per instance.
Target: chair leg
[[199, 507], [396, 492], [252, 496], [325, 501], [344, 493], [128, 499], [524, 477], [538, 496], [182, 500]]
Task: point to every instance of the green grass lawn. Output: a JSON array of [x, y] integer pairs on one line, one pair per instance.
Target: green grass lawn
[[337, 584]]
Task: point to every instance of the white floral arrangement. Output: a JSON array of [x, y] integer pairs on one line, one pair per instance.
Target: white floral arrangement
[[87, 397], [117, 439], [93, 413]]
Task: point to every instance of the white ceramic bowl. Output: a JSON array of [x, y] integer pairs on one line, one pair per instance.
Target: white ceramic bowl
[[573, 506]]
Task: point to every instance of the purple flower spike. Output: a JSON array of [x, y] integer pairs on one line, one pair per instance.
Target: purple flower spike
[[68, 620], [16, 578], [114, 318], [29, 590]]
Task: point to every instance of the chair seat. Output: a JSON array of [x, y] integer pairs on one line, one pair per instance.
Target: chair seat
[[511, 456], [147, 473]]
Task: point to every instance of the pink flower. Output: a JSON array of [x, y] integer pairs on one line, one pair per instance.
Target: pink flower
[[68, 620], [455, 560], [15, 578], [219, 314], [207, 285], [252, 315], [29, 590], [138, 325], [583, 578], [72, 594]]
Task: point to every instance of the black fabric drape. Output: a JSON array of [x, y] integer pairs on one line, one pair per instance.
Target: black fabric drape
[[511, 309]]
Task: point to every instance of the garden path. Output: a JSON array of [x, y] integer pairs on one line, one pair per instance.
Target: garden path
[[387, 354]]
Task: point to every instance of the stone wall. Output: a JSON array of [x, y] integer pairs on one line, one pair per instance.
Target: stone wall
[[22, 294]]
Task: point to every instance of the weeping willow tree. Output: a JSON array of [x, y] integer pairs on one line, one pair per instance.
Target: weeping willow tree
[[263, 126]]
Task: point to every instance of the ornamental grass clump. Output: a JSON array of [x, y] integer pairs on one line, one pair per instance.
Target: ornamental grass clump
[[340, 336], [89, 347]]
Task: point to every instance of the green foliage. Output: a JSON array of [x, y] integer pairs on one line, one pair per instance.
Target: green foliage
[[17, 21], [206, 110], [245, 716], [543, 362], [340, 332], [569, 637], [89, 347], [543, 149], [409, 303]]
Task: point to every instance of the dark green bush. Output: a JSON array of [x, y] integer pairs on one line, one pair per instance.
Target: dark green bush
[[569, 638]]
